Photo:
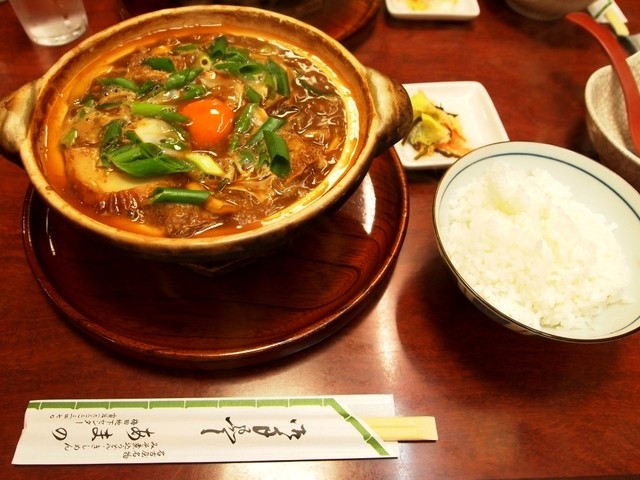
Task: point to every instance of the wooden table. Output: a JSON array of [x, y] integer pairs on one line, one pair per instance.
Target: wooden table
[[507, 405]]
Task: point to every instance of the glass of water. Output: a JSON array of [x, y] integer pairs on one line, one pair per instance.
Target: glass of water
[[51, 22]]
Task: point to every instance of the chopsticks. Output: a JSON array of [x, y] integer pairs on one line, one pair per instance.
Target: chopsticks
[[612, 14], [617, 24], [404, 429]]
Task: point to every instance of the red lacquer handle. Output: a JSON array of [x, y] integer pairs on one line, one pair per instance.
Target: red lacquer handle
[[618, 59]]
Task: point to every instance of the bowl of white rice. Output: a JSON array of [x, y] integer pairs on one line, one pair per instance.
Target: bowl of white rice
[[543, 240]]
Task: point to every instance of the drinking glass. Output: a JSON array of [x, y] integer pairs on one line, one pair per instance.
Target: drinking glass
[[51, 22]]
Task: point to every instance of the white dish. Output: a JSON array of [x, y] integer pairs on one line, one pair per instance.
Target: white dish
[[593, 185], [479, 119], [438, 10]]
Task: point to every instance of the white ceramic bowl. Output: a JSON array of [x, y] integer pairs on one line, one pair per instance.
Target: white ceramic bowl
[[592, 185], [607, 122]]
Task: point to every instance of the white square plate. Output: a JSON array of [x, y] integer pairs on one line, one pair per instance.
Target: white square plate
[[439, 10], [477, 114]]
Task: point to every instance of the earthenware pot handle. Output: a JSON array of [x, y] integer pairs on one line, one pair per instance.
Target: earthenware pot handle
[[393, 106], [15, 115]]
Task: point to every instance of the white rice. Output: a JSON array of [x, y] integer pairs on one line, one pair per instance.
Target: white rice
[[528, 248]]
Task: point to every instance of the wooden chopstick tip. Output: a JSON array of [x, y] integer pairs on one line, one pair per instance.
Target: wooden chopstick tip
[[404, 429], [617, 24]]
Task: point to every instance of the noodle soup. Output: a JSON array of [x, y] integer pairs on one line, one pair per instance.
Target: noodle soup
[[198, 134], [112, 136]]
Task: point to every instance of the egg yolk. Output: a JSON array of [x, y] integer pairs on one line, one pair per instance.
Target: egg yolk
[[211, 121]]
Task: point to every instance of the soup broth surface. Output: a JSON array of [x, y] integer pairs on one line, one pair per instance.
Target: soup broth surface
[[196, 135]]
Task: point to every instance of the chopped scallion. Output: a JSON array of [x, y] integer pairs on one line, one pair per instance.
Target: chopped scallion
[[150, 167], [111, 139], [252, 95], [205, 163], [237, 55], [281, 80], [279, 161], [185, 48], [193, 91], [163, 64], [247, 158], [242, 124], [182, 77], [271, 124], [70, 138], [247, 69], [120, 82], [148, 87], [179, 195], [156, 110], [244, 121], [218, 48]]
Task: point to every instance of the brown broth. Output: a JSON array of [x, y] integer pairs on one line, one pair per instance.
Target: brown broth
[[315, 130]]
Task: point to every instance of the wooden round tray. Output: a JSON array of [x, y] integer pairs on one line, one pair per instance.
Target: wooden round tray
[[340, 20], [171, 315]]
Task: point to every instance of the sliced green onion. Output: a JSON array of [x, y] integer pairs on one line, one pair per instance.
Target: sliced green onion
[[225, 65], [152, 167], [279, 161], [237, 55], [193, 91], [249, 69], [247, 157], [132, 152], [203, 60], [123, 154], [242, 124], [88, 101], [205, 163], [120, 82], [244, 121], [271, 124], [148, 87], [111, 139], [150, 150], [132, 136], [270, 83], [280, 78], [245, 68], [179, 195], [218, 48], [160, 63], [70, 138], [252, 95], [156, 110], [182, 77], [185, 48], [263, 156]]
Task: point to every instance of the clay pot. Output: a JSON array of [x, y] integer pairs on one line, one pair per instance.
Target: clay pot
[[382, 118]]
